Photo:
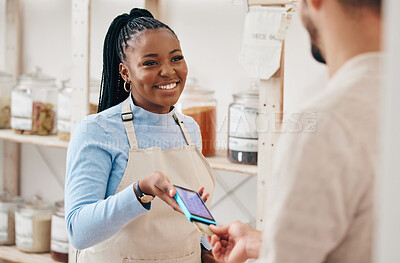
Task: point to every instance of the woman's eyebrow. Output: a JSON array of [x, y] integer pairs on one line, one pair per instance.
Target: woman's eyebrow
[[150, 55], [156, 55]]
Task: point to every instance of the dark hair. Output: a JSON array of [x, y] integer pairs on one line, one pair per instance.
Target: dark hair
[[374, 5], [123, 28]]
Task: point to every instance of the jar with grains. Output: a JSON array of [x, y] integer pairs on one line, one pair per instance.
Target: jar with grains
[[242, 128], [8, 205], [33, 227], [201, 105], [6, 84], [33, 104], [59, 236], [64, 108]]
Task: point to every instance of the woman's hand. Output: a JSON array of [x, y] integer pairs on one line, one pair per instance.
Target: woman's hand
[[203, 195], [157, 184]]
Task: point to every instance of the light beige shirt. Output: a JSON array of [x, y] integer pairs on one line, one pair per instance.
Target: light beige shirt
[[321, 199]]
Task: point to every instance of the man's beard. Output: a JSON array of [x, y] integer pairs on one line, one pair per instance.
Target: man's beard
[[313, 32], [316, 53]]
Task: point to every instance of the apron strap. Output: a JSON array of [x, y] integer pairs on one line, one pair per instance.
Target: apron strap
[[127, 118], [183, 129]]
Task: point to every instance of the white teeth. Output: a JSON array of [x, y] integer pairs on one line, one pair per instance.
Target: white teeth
[[169, 86]]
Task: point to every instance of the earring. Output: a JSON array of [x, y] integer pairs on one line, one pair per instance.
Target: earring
[[127, 90]]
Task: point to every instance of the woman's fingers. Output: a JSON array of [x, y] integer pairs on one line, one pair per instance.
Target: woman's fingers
[[164, 185], [203, 195], [201, 191]]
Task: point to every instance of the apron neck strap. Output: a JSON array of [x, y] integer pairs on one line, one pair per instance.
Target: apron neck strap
[[127, 118], [183, 129]]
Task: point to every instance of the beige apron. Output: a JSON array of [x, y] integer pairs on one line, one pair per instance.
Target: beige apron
[[161, 234]]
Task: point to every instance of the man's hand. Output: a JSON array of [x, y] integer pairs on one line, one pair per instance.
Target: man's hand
[[235, 242]]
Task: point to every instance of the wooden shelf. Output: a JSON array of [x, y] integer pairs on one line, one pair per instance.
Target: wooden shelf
[[11, 253], [49, 141], [220, 162], [217, 162], [271, 2]]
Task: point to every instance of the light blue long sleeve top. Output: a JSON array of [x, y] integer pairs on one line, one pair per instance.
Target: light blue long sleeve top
[[96, 160]]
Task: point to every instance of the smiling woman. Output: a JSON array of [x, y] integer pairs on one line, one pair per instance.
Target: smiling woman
[[133, 150], [156, 73]]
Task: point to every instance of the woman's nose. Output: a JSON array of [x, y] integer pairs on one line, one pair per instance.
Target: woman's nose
[[167, 70]]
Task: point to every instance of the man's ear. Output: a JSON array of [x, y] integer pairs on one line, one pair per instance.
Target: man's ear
[[124, 72], [316, 4]]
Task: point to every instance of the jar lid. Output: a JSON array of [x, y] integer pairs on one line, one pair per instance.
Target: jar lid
[[193, 90], [36, 204], [36, 78], [94, 85], [6, 197], [250, 94], [59, 207]]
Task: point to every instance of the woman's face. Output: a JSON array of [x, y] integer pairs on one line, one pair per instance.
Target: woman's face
[[155, 69]]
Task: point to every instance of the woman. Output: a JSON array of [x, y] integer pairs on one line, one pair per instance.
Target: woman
[[133, 150]]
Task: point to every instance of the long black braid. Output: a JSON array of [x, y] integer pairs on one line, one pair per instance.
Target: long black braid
[[123, 28]]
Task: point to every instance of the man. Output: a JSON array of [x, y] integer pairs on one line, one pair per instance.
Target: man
[[321, 202]]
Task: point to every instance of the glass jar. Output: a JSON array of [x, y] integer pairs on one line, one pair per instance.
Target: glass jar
[[59, 236], [242, 128], [201, 105], [33, 226], [33, 104], [64, 109], [6, 84], [8, 205]]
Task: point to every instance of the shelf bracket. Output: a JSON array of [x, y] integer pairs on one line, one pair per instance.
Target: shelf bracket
[[50, 167]]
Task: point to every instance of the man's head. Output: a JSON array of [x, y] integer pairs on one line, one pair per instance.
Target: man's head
[[324, 19]]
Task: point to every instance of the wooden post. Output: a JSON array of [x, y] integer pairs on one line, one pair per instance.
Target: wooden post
[[154, 7], [80, 75], [269, 126], [11, 170], [11, 150]]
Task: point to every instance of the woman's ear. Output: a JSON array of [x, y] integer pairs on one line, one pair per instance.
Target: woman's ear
[[124, 72]]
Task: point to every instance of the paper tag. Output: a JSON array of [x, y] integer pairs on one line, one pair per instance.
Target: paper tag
[[284, 27], [261, 51]]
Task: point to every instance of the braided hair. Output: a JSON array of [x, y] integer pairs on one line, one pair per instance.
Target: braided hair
[[123, 29]]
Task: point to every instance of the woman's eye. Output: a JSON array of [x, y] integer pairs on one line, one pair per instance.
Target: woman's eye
[[177, 58], [150, 63]]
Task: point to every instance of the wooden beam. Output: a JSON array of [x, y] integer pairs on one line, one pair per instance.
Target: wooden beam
[[269, 126], [13, 56], [154, 7], [80, 75], [11, 167]]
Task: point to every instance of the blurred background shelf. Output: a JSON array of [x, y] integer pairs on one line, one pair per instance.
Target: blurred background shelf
[[49, 141], [218, 162], [12, 254]]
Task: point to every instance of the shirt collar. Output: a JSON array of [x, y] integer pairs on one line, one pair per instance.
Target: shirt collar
[[367, 64], [143, 116]]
